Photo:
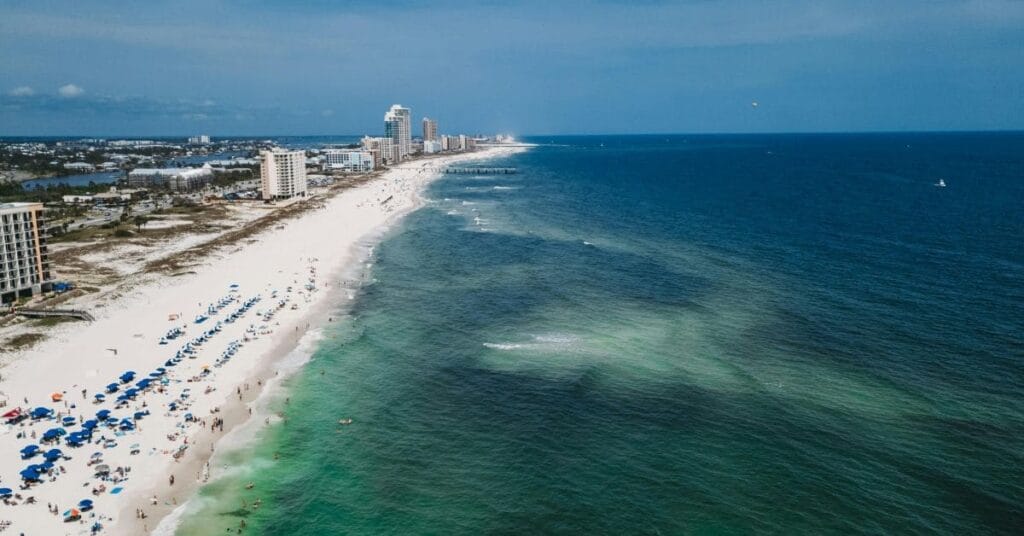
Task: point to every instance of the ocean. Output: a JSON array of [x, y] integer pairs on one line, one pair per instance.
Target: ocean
[[771, 334]]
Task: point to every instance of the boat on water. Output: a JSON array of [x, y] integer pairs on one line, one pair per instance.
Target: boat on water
[[940, 184]]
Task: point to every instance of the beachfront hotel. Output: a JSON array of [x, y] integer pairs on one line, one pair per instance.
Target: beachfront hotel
[[398, 127], [351, 160], [429, 129], [24, 261], [283, 174], [384, 151]]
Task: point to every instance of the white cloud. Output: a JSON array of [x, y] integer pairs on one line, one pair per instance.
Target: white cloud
[[21, 91], [70, 91]]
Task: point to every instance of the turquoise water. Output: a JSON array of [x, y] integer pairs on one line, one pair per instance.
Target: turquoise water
[[674, 335]]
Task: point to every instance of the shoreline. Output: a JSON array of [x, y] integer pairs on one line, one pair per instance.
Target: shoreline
[[354, 219]]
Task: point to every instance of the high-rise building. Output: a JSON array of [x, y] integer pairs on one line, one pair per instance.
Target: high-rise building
[[429, 129], [283, 174], [384, 151], [24, 260], [201, 139], [398, 127]]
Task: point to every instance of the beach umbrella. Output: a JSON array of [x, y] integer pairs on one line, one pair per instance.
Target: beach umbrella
[[112, 388], [100, 397], [90, 424], [154, 374], [6, 492], [56, 397], [74, 439], [29, 451], [102, 414], [85, 504], [68, 420], [112, 420], [46, 466], [169, 363], [30, 475], [72, 514], [41, 412], [140, 414], [102, 469], [53, 454]]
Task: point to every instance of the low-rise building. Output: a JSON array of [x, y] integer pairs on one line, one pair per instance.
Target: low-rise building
[[351, 160], [79, 166], [431, 146], [178, 179], [24, 259]]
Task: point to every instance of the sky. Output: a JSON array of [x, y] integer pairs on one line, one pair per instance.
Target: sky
[[266, 67]]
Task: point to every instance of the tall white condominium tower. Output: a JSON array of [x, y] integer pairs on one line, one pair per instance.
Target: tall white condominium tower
[[24, 260], [398, 127], [429, 129], [283, 174]]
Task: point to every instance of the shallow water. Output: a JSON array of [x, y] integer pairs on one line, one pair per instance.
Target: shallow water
[[651, 334]]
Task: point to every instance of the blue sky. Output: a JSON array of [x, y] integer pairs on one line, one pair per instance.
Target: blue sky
[[528, 67]]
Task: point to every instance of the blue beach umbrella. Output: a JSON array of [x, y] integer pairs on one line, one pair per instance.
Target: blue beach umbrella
[[53, 454], [85, 505], [6, 492], [30, 475], [90, 424], [46, 466], [68, 420], [99, 397], [29, 451], [140, 414], [41, 412], [102, 414], [112, 387], [53, 433]]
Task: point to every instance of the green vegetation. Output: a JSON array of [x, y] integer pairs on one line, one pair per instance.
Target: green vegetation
[[13, 191], [19, 342], [51, 321]]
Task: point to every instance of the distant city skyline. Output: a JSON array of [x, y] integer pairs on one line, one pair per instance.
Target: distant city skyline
[[523, 67]]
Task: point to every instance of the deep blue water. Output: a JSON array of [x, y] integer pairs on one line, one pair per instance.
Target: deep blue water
[[675, 335]]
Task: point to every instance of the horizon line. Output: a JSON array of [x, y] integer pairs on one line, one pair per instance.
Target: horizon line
[[740, 133]]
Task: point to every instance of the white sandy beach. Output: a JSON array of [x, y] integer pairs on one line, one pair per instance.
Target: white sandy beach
[[291, 268]]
